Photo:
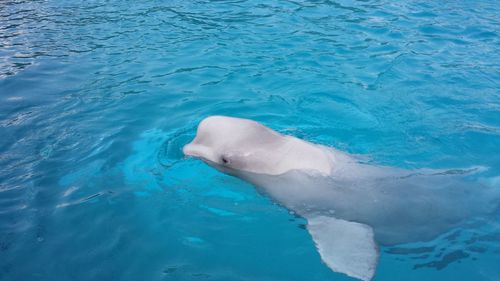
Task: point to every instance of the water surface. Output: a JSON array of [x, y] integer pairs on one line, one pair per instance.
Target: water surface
[[97, 98]]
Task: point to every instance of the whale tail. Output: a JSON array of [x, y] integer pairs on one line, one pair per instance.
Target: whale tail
[[493, 192]]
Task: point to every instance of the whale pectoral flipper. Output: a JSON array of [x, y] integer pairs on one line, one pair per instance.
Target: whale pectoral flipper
[[346, 247]]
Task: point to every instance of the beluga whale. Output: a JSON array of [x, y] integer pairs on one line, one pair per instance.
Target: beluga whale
[[351, 207]]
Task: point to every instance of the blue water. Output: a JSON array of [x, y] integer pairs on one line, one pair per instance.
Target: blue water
[[97, 98]]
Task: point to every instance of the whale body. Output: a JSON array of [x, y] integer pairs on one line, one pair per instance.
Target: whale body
[[350, 207]]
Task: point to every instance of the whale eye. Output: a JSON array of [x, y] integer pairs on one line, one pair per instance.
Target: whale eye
[[224, 160]]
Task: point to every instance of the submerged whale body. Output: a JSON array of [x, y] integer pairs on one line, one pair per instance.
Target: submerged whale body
[[350, 207]]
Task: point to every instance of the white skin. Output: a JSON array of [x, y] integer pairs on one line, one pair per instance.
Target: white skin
[[400, 205]]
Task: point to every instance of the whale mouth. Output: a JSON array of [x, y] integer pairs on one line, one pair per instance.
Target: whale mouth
[[199, 151], [189, 150]]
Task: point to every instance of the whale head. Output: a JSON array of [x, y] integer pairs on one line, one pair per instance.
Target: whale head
[[229, 143], [233, 145]]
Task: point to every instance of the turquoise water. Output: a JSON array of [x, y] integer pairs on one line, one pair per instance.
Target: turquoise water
[[97, 98]]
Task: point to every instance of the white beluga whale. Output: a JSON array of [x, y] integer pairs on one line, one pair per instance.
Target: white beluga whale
[[350, 207]]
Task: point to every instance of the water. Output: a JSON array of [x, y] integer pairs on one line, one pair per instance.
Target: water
[[98, 98]]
